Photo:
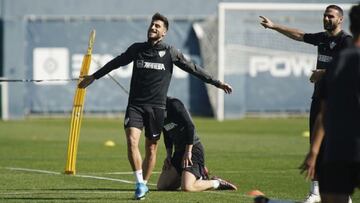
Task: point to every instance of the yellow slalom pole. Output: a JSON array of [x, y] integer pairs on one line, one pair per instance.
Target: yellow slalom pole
[[77, 111]]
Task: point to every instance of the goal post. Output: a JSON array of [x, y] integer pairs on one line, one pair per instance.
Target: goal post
[[4, 100], [268, 71]]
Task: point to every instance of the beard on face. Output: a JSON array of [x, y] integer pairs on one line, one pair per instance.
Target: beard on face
[[329, 26], [152, 35]]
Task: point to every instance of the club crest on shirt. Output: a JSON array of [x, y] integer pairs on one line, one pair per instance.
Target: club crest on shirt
[[332, 45], [161, 53]]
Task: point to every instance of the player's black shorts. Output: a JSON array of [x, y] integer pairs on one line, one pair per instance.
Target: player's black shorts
[[197, 158], [339, 178], [152, 118]]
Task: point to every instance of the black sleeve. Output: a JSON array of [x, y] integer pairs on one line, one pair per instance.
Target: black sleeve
[[167, 140], [184, 117], [190, 67], [313, 38], [121, 60]]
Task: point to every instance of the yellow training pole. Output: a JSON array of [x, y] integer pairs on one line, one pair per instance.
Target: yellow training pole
[[77, 111]]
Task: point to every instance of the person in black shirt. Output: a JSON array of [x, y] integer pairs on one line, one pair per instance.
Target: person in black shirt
[[185, 167], [152, 70], [329, 43], [337, 124]]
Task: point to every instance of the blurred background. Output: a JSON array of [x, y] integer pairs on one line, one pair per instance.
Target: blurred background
[[46, 39]]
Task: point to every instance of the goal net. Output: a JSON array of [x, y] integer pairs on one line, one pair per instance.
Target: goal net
[[269, 72]]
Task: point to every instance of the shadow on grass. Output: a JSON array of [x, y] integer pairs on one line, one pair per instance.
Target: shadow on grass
[[91, 189], [61, 194], [70, 194], [71, 189], [35, 199]]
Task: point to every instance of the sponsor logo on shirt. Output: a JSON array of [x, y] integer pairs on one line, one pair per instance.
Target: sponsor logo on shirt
[[170, 126], [324, 58], [150, 65], [156, 135], [156, 66]]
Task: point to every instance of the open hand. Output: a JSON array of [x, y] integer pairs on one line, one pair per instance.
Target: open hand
[[226, 87], [309, 166], [187, 160]]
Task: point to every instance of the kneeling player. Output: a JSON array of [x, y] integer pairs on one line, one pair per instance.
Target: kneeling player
[[185, 167]]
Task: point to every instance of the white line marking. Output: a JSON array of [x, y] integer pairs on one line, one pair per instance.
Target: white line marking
[[104, 178], [79, 175], [126, 173], [33, 170]]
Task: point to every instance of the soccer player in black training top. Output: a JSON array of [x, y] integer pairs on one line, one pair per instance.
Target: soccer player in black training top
[[329, 43], [338, 124], [185, 167], [152, 70]]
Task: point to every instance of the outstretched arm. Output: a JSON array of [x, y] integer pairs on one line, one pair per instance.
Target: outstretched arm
[[289, 32], [192, 68], [121, 60]]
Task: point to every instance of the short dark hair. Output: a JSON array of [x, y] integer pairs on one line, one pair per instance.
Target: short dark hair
[[354, 16], [158, 16], [335, 7]]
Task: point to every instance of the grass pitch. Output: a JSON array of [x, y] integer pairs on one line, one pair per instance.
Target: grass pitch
[[260, 154]]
